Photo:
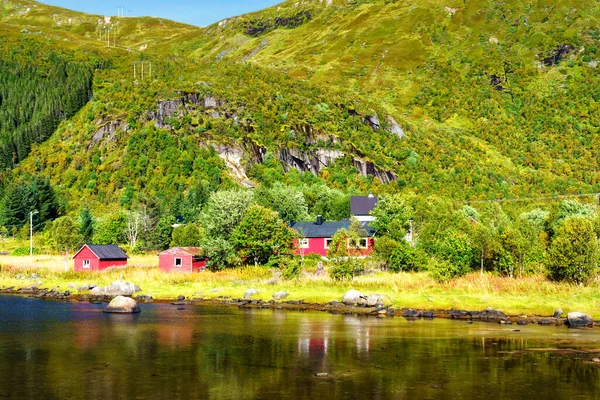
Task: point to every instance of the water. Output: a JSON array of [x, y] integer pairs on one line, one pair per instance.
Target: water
[[54, 350]]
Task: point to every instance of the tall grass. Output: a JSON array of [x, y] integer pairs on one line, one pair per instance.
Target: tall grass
[[528, 295]]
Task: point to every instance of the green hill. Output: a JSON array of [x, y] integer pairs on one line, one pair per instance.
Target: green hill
[[465, 99]]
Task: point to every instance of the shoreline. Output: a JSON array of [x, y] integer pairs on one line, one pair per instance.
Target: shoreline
[[333, 307]]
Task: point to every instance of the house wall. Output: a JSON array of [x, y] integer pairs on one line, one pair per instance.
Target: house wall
[[86, 254], [166, 261], [317, 246], [198, 266], [104, 264]]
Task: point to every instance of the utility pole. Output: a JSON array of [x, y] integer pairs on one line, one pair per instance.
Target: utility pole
[[31, 232]]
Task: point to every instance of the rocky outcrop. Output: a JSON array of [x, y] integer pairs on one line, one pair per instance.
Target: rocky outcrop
[[367, 168], [309, 161], [122, 305], [258, 27], [557, 55], [117, 288], [108, 131], [394, 128]]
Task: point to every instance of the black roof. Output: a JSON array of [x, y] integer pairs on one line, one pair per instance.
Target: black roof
[[326, 229], [107, 251], [362, 205]]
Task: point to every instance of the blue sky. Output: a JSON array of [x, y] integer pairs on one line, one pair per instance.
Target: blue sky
[[201, 12]]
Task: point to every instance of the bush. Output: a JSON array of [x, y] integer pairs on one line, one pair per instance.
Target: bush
[[24, 251], [444, 270], [347, 268], [291, 268]]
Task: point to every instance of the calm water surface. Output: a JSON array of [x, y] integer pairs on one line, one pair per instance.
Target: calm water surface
[[53, 350]]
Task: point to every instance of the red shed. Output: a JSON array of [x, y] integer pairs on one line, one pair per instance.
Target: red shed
[[98, 257], [182, 259]]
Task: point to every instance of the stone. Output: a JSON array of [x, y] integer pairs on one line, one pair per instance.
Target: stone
[[83, 288], [249, 293], [145, 298], [374, 300], [490, 314], [71, 286], [273, 281], [410, 313], [352, 297], [522, 323], [576, 319], [122, 305], [558, 313], [280, 295], [117, 288], [428, 314], [180, 298]]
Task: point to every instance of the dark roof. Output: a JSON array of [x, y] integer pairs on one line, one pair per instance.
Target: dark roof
[[326, 229], [106, 251], [362, 205]]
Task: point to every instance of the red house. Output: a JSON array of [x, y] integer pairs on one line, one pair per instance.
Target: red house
[[182, 259], [315, 237], [97, 257]]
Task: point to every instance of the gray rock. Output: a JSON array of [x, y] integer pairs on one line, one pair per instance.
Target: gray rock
[[117, 288], [122, 305], [428, 314], [410, 313], [180, 298], [558, 313], [394, 128], [575, 319], [71, 286], [273, 281], [280, 295], [490, 314], [352, 297], [83, 288], [522, 323], [249, 293], [145, 298], [374, 300]]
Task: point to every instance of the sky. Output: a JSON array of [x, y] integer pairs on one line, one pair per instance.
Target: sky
[[199, 12]]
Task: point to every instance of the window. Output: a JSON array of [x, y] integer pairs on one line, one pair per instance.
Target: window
[[328, 242], [86, 264], [362, 243], [178, 262], [303, 243]]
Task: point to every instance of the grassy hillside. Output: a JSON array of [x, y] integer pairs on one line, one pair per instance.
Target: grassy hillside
[[451, 98]]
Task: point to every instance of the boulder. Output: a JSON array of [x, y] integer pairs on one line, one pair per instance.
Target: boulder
[[410, 313], [490, 314], [374, 300], [353, 297], [249, 293], [575, 319], [180, 298], [145, 298], [558, 313], [122, 305], [117, 288], [280, 295], [429, 314]]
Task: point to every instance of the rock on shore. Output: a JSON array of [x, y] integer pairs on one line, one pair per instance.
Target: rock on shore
[[122, 305], [117, 288], [354, 297], [576, 319]]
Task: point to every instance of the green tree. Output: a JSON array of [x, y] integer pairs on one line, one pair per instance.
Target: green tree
[[343, 251], [392, 215], [573, 253], [287, 201], [111, 229], [64, 234], [224, 211], [263, 237], [189, 235], [86, 223]]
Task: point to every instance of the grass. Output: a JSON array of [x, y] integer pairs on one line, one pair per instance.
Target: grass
[[526, 296]]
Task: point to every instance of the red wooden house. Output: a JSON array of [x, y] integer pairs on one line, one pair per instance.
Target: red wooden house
[[182, 259], [96, 257], [315, 237]]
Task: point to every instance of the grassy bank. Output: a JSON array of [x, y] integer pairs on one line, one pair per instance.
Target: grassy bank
[[527, 296]]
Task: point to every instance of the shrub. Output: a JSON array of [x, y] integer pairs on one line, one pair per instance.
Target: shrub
[[444, 270], [347, 268], [24, 251]]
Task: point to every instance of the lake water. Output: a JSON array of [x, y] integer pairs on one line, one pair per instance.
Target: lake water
[[54, 350]]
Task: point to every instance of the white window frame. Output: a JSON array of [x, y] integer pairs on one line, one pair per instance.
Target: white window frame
[[303, 243], [363, 243], [180, 262], [86, 264], [328, 242]]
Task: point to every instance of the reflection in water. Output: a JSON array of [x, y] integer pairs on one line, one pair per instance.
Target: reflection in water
[[57, 350]]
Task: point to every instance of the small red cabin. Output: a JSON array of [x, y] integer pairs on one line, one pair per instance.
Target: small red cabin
[[97, 257], [182, 259]]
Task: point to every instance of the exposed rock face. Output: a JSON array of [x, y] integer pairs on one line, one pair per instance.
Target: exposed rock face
[[117, 288], [394, 128], [122, 305], [560, 53], [373, 122], [353, 297], [108, 132], [576, 319], [311, 161], [280, 295], [367, 168]]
